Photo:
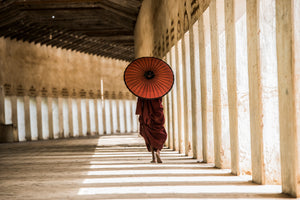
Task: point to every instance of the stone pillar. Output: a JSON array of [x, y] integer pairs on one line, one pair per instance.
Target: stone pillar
[[231, 83], [107, 111], [100, 117], [208, 134], [174, 99], [21, 118], [70, 117], [170, 121], [44, 115], [84, 117], [88, 118], [2, 105], [39, 117], [288, 58], [50, 117], [179, 54], [187, 95], [202, 58], [27, 118], [262, 68], [128, 118], [196, 92], [103, 115], [118, 115], [79, 116], [66, 128], [172, 115], [14, 117], [55, 115], [92, 116], [134, 116], [121, 116], [238, 89], [114, 116], [221, 136], [96, 116], [75, 117], [60, 117]]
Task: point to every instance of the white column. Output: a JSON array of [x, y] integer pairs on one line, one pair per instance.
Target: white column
[[196, 92], [263, 92], [128, 116], [44, 115], [92, 117], [75, 117], [33, 118], [65, 121], [39, 117], [60, 117], [187, 96], [79, 116], [221, 136], [96, 116], [21, 119], [88, 120], [166, 114], [14, 117], [122, 116], [134, 116], [208, 134], [173, 93], [170, 121], [55, 116], [114, 116], [100, 117], [202, 57], [171, 115], [180, 98], [238, 92], [288, 58], [108, 128], [83, 117], [2, 105], [70, 117], [27, 118], [50, 117]]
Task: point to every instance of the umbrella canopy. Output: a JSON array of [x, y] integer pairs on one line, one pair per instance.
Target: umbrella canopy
[[149, 77]]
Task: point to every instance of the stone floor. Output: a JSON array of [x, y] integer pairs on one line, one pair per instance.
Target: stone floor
[[114, 167]]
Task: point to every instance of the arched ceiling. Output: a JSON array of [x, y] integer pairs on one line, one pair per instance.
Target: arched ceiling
[[98, 27]]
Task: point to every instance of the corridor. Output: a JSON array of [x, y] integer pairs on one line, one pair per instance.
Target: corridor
[[115, 167]]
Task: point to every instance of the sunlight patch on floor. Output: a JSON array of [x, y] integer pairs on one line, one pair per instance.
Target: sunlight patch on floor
[[211, 189], [169, 179]]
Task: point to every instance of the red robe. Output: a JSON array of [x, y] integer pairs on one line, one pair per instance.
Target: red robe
[[152, 122]]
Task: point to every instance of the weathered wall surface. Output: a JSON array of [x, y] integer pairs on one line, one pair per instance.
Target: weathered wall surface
[[164, 21], [29, 69]]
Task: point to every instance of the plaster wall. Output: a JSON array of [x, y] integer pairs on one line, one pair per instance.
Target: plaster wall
[[26, 66], [160, 19]]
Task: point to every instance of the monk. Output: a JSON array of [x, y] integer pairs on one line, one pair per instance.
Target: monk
[[151, 118]]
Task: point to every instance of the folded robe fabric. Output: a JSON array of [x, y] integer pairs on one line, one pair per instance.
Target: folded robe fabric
[[152, 122]]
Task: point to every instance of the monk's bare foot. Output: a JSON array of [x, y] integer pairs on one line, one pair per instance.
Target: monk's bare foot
[[158, 157], [153, 156]]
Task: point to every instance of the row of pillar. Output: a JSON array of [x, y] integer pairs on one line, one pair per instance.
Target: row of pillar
[[235, 100], [41, 118]]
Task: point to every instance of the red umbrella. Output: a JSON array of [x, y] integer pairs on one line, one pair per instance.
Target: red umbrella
[[149, 77]]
